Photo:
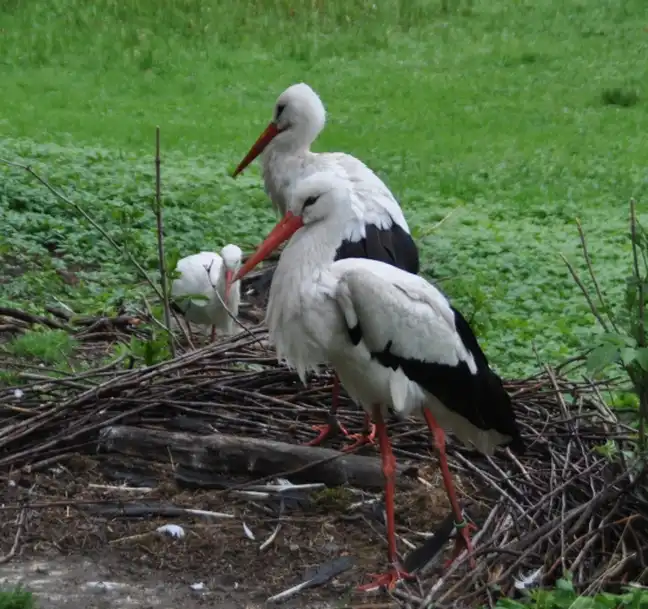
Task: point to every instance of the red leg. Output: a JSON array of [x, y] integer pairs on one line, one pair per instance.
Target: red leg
[[463, 528], [390, 578], [332, 427], [213, 334], [366, 437]]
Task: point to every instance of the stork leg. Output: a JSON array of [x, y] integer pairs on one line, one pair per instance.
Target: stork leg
[[395, 573], [213, 334], [333, 426], [463, 528], [367, 436], [192, 336]]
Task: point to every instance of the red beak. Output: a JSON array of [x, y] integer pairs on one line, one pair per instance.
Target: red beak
[[285, 228], [228, 282], [257, 148]]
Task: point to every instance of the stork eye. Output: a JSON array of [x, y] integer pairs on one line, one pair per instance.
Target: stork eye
[[280, 109], [310, 200]]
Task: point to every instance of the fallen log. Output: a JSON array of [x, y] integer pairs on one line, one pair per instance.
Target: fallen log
[[254, 457]]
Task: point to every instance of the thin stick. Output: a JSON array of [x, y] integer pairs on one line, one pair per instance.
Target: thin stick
[[583, 289], [641, 338], [14, 546], [641, 329], [590, 268], [160, 240]]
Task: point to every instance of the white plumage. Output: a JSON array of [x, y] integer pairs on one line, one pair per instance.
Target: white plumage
[[204, 283], [392, 337], [299, 117], [377, 231], [313, 304]]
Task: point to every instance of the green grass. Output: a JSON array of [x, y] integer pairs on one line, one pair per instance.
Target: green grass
[[521, 115], [49, 347], [16, 599]]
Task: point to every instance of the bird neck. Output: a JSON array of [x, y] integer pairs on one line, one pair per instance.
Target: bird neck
[[314, 247], [298, 137], [303, 262]]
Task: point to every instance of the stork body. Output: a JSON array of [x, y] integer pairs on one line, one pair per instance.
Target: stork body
[[208, 276], [394, 340], [380, 232]]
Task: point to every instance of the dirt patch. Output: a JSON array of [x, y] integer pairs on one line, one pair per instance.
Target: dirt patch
[[84, 583], [69, 547]]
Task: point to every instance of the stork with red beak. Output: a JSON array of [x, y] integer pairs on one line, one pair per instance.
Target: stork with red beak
[[205, 286], [379, 232], [394, 340]]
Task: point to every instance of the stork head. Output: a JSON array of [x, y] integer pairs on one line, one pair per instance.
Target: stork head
[[298, 117], [318, 198], [231, 255]]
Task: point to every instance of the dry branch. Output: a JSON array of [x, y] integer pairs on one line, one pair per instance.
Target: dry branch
[[225, 454], [565, 505]]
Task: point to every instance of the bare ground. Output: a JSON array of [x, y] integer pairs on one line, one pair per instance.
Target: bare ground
[[67, 550]]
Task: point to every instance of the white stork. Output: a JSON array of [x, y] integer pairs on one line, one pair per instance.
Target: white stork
[[210, 277], [379, 233], [394, 340]]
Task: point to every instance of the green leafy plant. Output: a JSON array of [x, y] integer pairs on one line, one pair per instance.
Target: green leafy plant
[[623, 342], [151, 351], [563, 596], [45, 345], [16, 599]]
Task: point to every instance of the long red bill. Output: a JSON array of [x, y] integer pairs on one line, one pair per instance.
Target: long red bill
[[228, 282], [285, 228], [257, 148]]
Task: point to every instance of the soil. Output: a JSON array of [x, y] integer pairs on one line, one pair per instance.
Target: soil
[[71, 555]]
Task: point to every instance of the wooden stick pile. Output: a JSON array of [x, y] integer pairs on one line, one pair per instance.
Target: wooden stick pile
[[571, 504]]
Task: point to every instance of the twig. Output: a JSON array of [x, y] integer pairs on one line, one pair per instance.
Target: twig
[[583, 289], [14, 546], [160, 242], [641, 338], [33, 319], [590, 268], [640, 382]]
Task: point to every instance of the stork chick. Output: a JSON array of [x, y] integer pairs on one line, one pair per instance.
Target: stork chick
[[207, 281]]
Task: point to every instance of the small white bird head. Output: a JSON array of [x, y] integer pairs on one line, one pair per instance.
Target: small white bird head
[[298, 117], [319, 197], [231, 255]]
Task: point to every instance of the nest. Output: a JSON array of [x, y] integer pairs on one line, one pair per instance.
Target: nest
[[570, 505]]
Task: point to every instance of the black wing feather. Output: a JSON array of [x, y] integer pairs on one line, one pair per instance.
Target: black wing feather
[[480, 398], [393, 246]]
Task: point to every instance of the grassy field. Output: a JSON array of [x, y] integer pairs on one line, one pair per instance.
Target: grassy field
[[520, 116]]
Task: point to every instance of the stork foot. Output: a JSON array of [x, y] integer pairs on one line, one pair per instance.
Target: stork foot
[[386, 580], [366, 437], [463, 542], [330, 430]]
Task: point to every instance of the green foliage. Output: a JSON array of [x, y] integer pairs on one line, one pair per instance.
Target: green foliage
[[152, 351], [563, 596], [481, 107], [47, 346], [16, 599], [624, 342]]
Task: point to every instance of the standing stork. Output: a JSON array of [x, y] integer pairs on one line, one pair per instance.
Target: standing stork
[[393, 339], [379, 233], [209, 276]]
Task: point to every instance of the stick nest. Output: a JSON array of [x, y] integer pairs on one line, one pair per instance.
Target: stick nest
[[571, 504]]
